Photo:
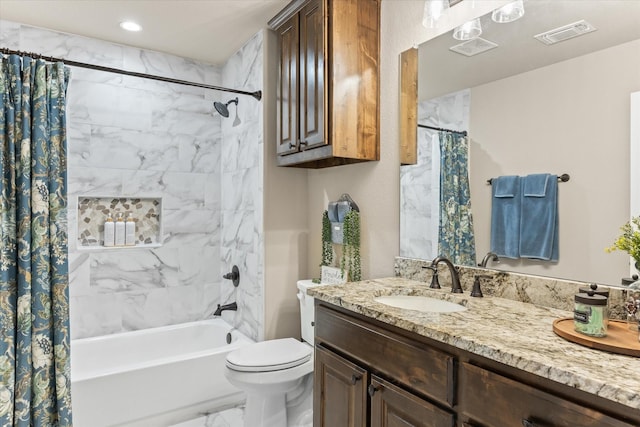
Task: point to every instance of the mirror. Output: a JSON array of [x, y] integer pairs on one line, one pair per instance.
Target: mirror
[[531, 108]]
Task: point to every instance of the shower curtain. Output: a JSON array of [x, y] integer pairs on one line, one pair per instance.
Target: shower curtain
[[456, 239], [35, 387]]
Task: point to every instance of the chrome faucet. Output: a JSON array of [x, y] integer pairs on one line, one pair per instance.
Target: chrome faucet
[[233, 306], [455, 279], [489, 256]]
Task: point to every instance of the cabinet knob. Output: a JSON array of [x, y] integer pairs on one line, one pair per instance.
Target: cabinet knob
[[305, 143], [372, 389], [355, 378], [292, 145]]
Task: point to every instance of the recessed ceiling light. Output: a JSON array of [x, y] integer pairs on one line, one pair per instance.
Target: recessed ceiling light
[[130, 26]]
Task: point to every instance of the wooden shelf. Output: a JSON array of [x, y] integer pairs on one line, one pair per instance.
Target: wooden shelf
[[619, 338]]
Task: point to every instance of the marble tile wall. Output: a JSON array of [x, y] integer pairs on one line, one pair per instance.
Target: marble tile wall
[[242, 158], [136, 137], [419, 183]]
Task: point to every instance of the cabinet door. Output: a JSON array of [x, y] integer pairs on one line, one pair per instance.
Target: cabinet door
[[493, 400], [287, 104], [392, 406], [312, 75], [339, 387]]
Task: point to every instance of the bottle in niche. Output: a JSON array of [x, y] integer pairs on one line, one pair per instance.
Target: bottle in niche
[[130, 231], [120, 226], [109, 237]]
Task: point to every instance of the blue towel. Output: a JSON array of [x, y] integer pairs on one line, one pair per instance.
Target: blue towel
[[539, 218], [505, 216]]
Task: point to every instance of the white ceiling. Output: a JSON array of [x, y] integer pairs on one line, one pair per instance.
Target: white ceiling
[[205, 30], [617, 21]]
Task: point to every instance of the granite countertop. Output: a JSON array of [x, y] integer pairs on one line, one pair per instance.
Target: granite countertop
[[514, 333]]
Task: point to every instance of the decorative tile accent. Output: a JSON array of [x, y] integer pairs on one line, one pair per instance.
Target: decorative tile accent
[[93, 212]]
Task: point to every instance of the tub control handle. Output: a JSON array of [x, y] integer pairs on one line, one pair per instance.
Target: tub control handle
[[355, 378], [234, 276]]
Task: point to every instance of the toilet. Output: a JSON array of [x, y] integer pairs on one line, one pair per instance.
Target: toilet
[[271, 370]]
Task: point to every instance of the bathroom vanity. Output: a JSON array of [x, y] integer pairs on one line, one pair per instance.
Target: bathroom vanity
[[496, 364]]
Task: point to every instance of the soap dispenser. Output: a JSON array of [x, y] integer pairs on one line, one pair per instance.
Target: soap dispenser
[[119, 233], [109, 237], [130, 231]]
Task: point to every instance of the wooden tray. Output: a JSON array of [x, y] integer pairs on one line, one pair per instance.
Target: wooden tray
[[619, 338]]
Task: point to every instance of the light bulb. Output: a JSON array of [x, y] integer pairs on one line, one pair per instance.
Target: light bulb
[[433, 10], [469, 30], [509, 12]]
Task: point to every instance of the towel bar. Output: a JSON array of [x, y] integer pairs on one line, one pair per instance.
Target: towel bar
[[561, 178]]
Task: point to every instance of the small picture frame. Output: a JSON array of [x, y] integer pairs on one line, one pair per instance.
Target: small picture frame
[[332, 276]]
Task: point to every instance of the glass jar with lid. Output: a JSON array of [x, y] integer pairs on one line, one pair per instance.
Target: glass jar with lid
[[590, 315]]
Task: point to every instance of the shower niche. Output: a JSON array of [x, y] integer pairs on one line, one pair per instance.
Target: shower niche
[[93, 211]]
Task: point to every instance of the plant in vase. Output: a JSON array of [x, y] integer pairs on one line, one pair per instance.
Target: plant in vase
[[629, 240]]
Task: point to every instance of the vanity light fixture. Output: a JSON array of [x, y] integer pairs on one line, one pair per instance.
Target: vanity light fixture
[[433, 10], [509, 12], [469, 30], [130, 26]]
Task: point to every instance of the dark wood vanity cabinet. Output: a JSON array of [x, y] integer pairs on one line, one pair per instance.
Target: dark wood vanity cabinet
[[400, 389], [328, 88], [370, 374]]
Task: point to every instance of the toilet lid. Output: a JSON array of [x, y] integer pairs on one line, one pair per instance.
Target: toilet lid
[[271, 355]]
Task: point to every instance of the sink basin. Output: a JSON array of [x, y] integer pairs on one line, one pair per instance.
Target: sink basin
[[420, 303]]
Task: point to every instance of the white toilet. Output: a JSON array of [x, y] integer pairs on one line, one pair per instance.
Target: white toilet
[[267, 371]]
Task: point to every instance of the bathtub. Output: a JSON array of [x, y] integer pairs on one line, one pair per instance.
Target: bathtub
[[152, 377]]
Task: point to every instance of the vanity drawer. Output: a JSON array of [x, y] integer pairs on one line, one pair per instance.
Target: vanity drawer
[[491, 400], [412, 364]]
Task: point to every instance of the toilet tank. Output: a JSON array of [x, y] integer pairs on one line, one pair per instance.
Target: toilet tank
[[307, 310]]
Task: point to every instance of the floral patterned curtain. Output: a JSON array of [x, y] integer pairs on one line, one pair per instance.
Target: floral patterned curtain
[[456, 239], [35, 386]]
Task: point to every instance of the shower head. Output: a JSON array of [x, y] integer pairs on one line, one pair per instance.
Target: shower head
[[222, 108]]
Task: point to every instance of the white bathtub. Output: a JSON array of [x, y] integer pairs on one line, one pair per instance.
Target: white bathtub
[[154, 377]]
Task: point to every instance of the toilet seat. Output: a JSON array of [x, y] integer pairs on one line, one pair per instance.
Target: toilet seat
[[269, 356]]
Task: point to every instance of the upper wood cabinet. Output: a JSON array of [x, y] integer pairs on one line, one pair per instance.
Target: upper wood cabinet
[[328, 85]]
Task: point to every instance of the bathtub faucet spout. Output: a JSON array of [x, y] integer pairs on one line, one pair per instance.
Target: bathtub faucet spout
[[233, 306]]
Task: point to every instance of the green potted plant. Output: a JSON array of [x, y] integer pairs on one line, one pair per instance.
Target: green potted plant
[[327, 249], [629, 240]]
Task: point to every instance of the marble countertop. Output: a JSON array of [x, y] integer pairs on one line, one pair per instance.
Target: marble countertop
[[514, 333]]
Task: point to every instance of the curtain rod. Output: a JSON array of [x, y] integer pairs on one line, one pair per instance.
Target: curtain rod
[[257, 94], [562, 178], [461, 132]]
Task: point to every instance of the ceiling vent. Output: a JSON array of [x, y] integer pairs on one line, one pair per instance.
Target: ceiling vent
[[473, 47], [566, 32]]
